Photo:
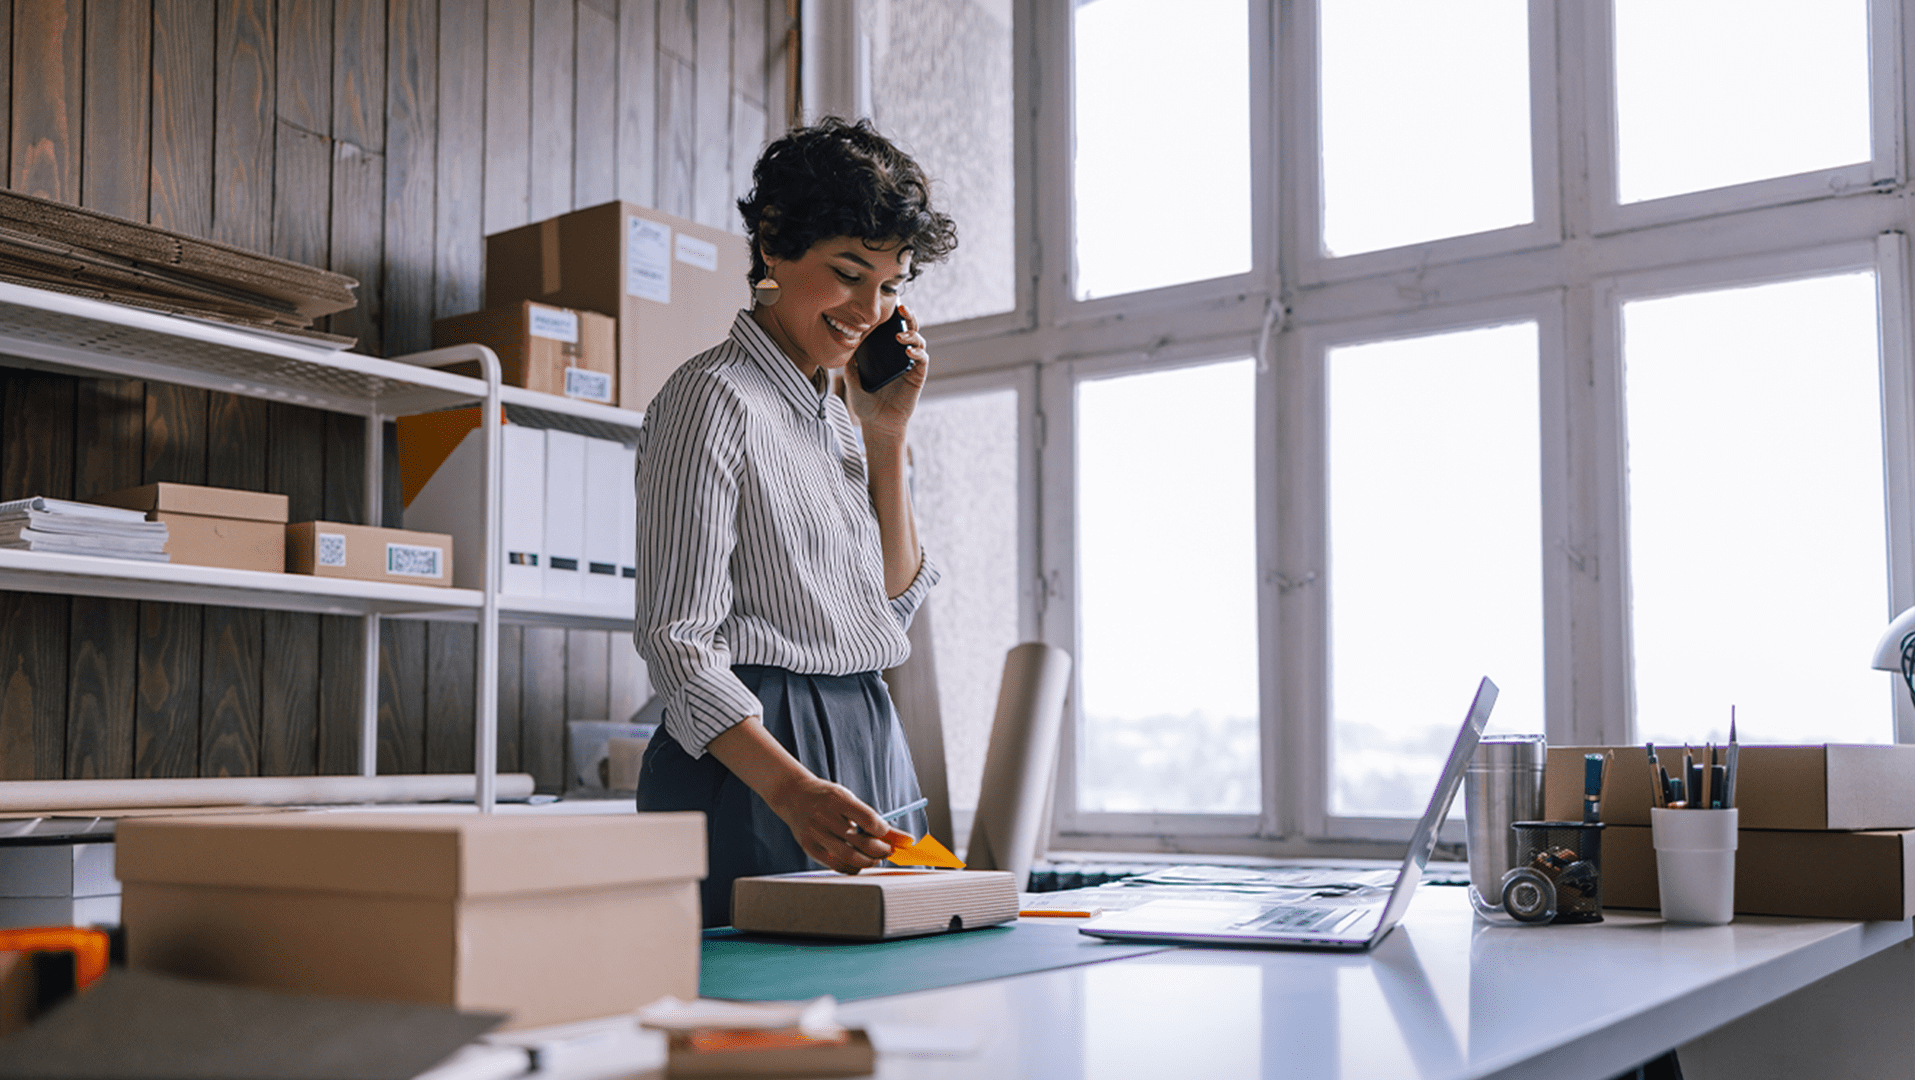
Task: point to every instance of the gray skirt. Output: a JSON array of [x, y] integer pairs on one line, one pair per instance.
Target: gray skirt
[[841, 727]]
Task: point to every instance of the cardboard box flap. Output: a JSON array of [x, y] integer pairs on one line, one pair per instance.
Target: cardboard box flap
[[1862, 781], [414, 854], [196, 499]]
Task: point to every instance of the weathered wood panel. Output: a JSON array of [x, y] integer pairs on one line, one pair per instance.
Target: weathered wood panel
[[359, 168], [637, 160], [403, 696], [512, 665], [413, 29], [243, 124], [36, 439], [459, 160], [550, 155], [509, 88], [587, 675], [230, 720], [596, 81], [713, 99], [114, 124], [6, 94], [46, 39], [180, 195], [543, 705], [674, 182], [450, 704]]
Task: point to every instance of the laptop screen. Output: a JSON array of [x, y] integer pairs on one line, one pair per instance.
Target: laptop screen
[[1427, 833]]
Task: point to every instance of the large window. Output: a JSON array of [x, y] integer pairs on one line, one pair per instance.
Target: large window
[[1375, 348]]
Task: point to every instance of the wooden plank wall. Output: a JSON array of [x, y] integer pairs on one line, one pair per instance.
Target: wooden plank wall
[[383, 139]]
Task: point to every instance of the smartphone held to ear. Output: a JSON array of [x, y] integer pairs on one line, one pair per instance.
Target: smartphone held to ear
[[882, 358]]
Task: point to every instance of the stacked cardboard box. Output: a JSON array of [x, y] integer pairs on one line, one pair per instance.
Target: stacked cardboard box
[[673, 285], [1825, 831], [549, 350], [51, 245], [210, 526]]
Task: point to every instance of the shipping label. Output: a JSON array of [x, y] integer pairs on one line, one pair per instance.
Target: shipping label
[[413, 560], [591, 385], [330, 549], [649, 260], [554, 324], [696, 252]]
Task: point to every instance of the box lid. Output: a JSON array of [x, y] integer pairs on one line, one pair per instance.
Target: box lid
[[205, 501], [412, 854]]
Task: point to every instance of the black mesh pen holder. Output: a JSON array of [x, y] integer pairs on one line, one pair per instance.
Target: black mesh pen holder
[[1556, 874]]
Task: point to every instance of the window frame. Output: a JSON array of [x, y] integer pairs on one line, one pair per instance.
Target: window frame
[[1556, 270]]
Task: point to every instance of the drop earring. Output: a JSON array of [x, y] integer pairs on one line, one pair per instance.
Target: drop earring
[[766, 292]]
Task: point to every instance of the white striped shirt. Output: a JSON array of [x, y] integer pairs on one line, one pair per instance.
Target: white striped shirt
[[757, 538]]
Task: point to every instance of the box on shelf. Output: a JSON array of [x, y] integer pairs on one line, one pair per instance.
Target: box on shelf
[[674, 285], [1787, 872], [440, 466], [1835, 786], [211, 526], [401, 556], [52, 875], [550, 350], [550, 919]]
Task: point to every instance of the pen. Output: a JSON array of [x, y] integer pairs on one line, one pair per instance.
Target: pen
[[1596, 776], [1733, 753], [895, 815]]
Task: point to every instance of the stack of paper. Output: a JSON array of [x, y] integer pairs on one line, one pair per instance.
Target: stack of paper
[[76, 528]]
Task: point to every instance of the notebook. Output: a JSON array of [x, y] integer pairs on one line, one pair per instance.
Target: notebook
[[1345, 922]]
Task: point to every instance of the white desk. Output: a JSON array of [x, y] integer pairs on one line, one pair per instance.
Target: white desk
[[1443, 998]]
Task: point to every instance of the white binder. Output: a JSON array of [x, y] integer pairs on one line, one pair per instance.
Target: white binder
[[606, 461], [564, 569], [629, 511], [449, 503]]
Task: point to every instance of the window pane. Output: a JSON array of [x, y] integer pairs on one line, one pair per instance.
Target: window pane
[[965, 485], [1160, 186], [1756, 510], [1434, 562], [1424, 129], [1169, 678], [1712, 94], [943, 88]]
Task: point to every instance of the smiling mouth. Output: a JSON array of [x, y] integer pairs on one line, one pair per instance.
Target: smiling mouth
[[842, 331]]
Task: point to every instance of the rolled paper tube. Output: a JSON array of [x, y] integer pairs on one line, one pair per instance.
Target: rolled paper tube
[[1020, 758], [61, 795]]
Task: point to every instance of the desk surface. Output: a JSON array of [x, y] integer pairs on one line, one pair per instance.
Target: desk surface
[[1443, 998]]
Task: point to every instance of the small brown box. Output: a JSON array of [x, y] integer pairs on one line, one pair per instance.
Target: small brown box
[[1835, 786], [1794, 873], [550, 350], [673, 284], [400, 556], [210, 526], [549, 918], [874, 905]]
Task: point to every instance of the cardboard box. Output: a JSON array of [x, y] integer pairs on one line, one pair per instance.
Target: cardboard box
[[550, 350], [673, 284], [551, 919], [210, 526], [401, 556], [1836, 786], [1797, 873], [874, 905]]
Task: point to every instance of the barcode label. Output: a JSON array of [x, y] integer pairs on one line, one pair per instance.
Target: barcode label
[[413, 560], [330, 549], [591, 385], [554, 324], [695, 252]]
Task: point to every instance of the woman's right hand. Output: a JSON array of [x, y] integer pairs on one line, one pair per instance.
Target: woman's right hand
[[833, 827]]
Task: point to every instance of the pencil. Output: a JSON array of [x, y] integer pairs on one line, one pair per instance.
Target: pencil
[[895, 815]]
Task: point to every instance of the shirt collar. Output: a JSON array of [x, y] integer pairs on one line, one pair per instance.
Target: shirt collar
[[808, 398]]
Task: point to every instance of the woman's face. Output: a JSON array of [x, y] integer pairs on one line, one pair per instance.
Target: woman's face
[[831, 298]]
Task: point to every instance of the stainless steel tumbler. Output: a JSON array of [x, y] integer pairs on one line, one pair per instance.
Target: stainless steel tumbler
[[1503, 786]]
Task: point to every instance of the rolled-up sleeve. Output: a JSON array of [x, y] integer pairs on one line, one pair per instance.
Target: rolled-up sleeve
[[907, 603], [687, 488]]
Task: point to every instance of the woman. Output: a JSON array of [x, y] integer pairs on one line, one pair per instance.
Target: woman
[[778, 560]]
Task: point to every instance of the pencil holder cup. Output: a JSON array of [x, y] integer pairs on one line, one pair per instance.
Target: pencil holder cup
[[1693, 853], [1556, 876]]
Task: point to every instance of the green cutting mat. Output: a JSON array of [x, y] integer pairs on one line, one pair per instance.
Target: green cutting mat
[[751, 967]]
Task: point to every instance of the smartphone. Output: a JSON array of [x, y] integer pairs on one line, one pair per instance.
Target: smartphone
[[882, 358]]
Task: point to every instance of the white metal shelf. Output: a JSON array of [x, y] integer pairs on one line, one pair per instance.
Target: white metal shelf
[[75, 335], [132, 579], [568, 414], [569, 614]]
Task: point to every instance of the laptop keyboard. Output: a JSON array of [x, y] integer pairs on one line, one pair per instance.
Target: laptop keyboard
[[1302, 920]]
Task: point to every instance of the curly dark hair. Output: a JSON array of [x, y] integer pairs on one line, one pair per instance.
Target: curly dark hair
[[840, 178]]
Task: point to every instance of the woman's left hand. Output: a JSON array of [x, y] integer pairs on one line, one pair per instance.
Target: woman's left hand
[[885, 414]]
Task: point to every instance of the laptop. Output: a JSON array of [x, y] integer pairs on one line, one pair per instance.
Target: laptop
[[1347, 922]]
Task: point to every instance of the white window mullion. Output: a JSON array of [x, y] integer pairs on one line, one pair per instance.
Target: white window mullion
[[1893, 258], [1059, 614]]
